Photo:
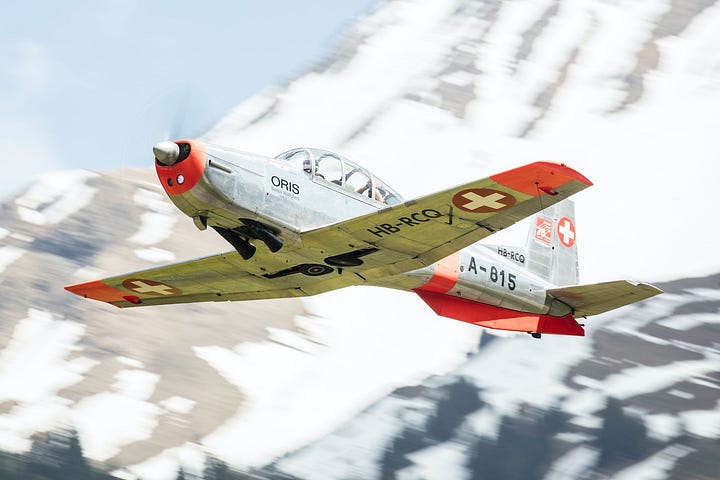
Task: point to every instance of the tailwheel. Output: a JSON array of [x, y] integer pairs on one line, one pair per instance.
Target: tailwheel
[[536, 334]]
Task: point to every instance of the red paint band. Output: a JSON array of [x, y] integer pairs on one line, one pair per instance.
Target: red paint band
[[445, 275], [188, 170], [499, 318], [539, 177], [97, 291]]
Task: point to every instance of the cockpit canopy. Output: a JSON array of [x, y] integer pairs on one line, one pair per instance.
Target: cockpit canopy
[[331, 168]]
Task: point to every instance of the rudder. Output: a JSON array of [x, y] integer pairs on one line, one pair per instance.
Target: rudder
[[552, 244]]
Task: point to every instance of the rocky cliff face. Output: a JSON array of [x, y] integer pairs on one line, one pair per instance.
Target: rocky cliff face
[[425, 94]]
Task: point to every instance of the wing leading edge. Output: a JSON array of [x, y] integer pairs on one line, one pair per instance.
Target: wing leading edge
[[215, 278]]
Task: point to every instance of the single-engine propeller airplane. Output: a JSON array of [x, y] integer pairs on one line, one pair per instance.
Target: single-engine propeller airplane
[[309, 221]]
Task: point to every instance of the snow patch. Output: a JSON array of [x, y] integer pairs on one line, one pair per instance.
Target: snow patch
[[157, 224], [446, 460], [87, 273], [704, 383], [689, 321], [663, 426], [190, 456], [8, 255], [703, 423], [355, 449], [681, 394], [107, 421], [573, 464], [177, 404], [22, 237], [485, 422], [25, 419], [293, 340], [154, 254], [636, 381], [491, 368], [33, 365], [574, 437], [137, 384], [130, 362], [363, 357], [706, 294], [55, 196], [33, 368], [656, 467], [590, 421]]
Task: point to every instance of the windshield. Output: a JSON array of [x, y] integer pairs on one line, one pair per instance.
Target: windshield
[[331, 168], [298, 158]]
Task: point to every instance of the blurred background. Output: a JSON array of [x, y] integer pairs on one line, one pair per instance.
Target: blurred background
[[92, 85], [426, 94]]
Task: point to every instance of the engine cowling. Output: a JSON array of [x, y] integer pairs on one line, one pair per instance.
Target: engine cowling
[[179, 164]]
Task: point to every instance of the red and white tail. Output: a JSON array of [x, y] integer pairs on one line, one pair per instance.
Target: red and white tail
[[552, 244]]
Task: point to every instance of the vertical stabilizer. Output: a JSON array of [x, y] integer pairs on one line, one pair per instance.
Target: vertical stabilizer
[[552, 244]]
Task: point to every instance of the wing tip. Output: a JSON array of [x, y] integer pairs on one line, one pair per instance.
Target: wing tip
[[97, 290], [650, 288], [565, 170], [537, 177]]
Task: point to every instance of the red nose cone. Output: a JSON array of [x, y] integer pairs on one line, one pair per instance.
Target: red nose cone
[[182, 175]]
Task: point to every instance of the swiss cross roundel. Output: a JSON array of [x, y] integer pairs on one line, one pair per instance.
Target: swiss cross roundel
[[566, 232], [482, 200], [150, 287]]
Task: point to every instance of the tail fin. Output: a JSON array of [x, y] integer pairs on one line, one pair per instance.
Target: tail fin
[[552, 244]]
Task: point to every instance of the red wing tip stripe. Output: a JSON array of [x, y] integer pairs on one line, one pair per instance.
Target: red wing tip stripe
[[539, 177], [562, 169], [97, 291]]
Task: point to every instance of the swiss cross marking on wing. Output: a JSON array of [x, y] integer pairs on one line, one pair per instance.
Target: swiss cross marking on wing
[[566, 231], [150, 287], [482, 200], [543, 230]]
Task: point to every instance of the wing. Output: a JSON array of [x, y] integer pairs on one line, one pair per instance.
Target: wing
[[356, 251], [217, 278], [420, 232], [587, 300]]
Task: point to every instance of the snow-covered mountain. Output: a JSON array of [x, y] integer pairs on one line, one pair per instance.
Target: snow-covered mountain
[[659, 359], [430, 93], [426, 94]]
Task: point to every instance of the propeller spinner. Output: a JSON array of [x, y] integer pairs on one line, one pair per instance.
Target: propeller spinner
[[166, 152]]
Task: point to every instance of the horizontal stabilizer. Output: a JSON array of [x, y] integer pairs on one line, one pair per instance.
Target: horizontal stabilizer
[[499, 318], [586, 300]]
